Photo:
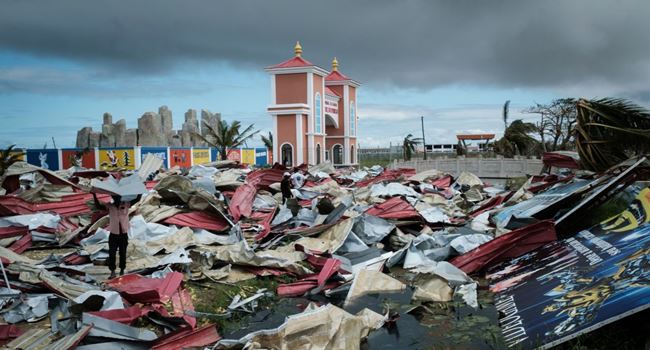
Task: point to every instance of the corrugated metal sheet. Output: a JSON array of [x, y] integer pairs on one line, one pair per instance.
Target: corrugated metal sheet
[[126, 315], [510, 245], [241, 203], [73, 204], [33, 339], [139, 289], [394, 208], [198, 219], [388, 175], [71, 341], [185, 338]]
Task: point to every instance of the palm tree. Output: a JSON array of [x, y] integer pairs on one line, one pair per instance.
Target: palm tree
[[609, 131], [268, 141], [506, 110], [226, 137], [409, 144], [516, 139], [8, 156]]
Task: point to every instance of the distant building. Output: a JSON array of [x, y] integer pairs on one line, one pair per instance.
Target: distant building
[[314, 113], [479, 146]]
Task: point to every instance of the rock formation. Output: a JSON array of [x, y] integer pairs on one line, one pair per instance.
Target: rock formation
[[154, 129]]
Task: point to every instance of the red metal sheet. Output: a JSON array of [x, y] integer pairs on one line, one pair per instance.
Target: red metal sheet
[[510, 245], [76, 259], [10, 332], [21, 245], [182, 302], [394, 208], [241, 203], [264, 218], [442, 182], [13, 231], [560, 160], [330, 268], [296, 289], [301, 287], [491, 203], [198, 219], [186, 338], [69, 205], [138, 289], [265, 177], [126, 315], [388, 175]]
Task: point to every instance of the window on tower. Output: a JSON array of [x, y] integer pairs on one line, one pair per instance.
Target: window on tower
[[318, 118], [352, 119]]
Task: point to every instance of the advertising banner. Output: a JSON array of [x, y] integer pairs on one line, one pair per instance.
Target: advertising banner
[[201, 155], [214, 154], [181, 157], [44, 158], [160, 152], [248, 156], [234, 154], [261, 157], [77, 157], [21, 153], [575, 285], [114, 158]]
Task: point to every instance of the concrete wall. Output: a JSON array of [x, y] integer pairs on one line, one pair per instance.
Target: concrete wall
[[482, 167]]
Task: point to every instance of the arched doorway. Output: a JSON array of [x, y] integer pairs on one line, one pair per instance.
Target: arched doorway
[[337, 154], [352, 155], [287, 155], [318, 154]]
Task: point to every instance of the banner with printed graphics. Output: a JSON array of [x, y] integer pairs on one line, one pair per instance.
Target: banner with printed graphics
[[261, 156], [44, 158], [116, 158], [160, 152], [201, 155], [181, 157], [78, 157], [214, 154], [234, 154], [248, 156], [21, 152], [576, 285]]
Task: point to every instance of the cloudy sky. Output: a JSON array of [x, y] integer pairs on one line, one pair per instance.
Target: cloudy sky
[[64, 63]]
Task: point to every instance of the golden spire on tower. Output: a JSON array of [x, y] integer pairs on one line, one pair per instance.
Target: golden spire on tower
[[297, 49], [335, 65]]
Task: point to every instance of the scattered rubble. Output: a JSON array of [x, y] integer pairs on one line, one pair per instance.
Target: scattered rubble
[[215, 260]]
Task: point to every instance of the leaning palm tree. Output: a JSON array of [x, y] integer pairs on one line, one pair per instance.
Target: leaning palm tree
[[268, 141], [9, 156], [610, 130], [226, 137], [408, 146]]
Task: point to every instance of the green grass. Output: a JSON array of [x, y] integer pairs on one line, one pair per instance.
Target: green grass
[[214, 298]]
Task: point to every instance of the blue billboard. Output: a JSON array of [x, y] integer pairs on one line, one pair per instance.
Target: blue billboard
[[44, 158]]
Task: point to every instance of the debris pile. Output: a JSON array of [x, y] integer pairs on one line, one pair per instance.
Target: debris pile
[[218, 257]]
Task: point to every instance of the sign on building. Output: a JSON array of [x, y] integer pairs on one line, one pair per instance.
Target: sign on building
[[114, 158]]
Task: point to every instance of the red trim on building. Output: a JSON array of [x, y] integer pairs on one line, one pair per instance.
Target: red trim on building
[[336, 76], [293, 62]]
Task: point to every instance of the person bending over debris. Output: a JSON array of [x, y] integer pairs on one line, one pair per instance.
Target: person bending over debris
[[118, 226], [297, 179], [285, 187]]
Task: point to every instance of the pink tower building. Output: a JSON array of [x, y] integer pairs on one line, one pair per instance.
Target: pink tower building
[[314, 113]]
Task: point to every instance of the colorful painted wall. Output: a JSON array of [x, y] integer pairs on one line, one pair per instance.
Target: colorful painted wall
[[130, 158]]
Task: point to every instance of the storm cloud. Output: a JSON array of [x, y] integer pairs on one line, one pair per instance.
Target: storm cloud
[[407, 44]]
